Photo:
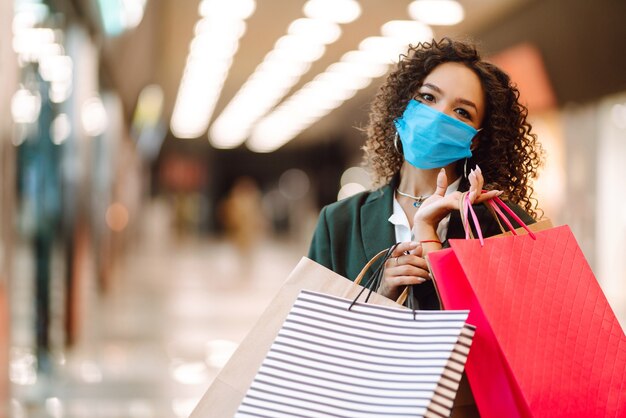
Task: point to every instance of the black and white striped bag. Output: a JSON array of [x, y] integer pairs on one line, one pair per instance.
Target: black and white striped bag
[[330, 360]]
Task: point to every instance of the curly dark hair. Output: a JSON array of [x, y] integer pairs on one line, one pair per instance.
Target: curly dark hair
[[507, 152]]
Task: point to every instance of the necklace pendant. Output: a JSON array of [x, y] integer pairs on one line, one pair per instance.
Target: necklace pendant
[[417, 199]]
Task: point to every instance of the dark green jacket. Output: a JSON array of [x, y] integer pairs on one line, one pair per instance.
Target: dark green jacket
[[352, 231]]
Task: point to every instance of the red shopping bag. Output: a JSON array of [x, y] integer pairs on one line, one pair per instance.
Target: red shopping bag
[[547, 343]]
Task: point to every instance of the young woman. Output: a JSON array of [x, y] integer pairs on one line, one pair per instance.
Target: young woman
[[444, 122]]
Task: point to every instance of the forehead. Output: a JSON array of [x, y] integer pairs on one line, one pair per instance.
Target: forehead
[[457, 81]]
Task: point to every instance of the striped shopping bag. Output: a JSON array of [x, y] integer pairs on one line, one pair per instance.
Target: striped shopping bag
[[330, 359]]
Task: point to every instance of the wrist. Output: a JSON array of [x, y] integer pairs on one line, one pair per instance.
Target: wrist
[[423, 231]]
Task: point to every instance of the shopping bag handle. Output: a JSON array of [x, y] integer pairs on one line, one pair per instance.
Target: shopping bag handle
[[495, 202], [367, 266], [464, 209], [496, 207], [376, 278]]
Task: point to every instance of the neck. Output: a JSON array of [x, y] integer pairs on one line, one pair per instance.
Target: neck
[[418, 182]]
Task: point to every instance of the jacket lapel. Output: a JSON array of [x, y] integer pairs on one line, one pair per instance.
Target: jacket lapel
[[377, 232]]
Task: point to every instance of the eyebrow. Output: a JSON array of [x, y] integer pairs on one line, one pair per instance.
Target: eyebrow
[[459, 100]]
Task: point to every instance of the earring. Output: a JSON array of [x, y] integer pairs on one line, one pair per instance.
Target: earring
[[395, 143], [465, 168]]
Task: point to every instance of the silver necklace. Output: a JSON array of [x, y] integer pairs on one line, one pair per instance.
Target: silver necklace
[[418, 199]]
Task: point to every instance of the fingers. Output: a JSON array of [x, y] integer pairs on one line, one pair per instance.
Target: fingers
[[406, 259], [406, 266], [404, 263], [488, 195], [397, 281], [442, 183], [392, 286], [400, 250], [476, 181], [418, 251], [404, 247]]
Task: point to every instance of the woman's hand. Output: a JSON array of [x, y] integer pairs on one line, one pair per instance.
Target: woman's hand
[[406, 266], [439, 205]]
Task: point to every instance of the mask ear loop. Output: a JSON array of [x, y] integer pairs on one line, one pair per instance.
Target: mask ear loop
[[465, 162]]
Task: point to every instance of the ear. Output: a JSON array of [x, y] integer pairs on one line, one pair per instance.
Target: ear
[[475, 141], [474, 144]]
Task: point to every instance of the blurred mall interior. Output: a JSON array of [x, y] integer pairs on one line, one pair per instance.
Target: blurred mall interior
[[163, 163]]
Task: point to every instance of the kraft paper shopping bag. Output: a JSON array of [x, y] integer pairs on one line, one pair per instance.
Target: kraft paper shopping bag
[[226, 393]]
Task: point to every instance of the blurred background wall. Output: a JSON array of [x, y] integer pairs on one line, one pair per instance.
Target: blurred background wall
[[112, 111]]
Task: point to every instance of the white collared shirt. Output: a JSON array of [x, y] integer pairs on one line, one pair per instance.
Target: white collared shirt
[[401, 222]]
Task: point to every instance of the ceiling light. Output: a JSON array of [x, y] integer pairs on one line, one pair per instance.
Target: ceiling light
[[208, 26], [345, 81], [232, 29], [276, 66], [293, 53], [407, 31], [239, 10], [385, 50], [210, 57], [437, 12], [339, 11], [340, 82], [323, 31], [221, 51], [360, 69], [381, 43]]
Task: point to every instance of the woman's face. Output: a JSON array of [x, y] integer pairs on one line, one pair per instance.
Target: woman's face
[[455, 90]]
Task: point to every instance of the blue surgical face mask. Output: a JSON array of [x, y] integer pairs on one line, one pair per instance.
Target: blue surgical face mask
[[432, 139]]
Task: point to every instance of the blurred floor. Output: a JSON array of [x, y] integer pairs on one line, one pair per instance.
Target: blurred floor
[[176, 311]]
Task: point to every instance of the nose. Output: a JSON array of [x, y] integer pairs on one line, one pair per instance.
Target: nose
[[444, 107]]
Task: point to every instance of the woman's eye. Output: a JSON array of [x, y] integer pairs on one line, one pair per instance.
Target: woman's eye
[[427, 97], [464, 113]]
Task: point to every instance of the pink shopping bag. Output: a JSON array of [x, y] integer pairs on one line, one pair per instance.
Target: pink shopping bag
[[547, 343]]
